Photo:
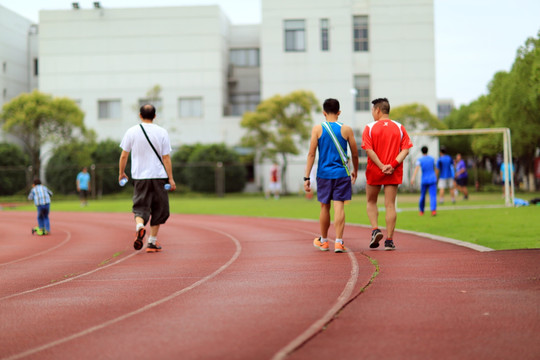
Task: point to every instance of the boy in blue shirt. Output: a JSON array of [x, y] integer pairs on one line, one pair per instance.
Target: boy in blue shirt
[[428, 183]]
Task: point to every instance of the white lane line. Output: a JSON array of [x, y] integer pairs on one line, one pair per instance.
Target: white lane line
[[67, 280], [42, 252], [319, 324], [140, 310]]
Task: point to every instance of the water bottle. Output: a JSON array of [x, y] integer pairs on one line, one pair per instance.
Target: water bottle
[[167, 187], [123, 181]]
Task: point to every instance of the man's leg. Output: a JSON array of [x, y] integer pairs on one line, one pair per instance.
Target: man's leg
[[324, 219], [372, 193], [390, 193], [339, 218]]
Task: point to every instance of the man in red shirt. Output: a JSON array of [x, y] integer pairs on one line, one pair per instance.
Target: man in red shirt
[[387, 144]]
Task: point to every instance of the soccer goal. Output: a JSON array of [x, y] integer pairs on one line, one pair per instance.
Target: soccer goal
[[507, 153]]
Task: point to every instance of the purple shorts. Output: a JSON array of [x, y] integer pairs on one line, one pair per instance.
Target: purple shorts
[[334, 189]]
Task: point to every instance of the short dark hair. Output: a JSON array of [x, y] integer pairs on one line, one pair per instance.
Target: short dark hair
[[424, 149], [382, 104], [331, 106], [443, 150], [37, 181], [148, 112]]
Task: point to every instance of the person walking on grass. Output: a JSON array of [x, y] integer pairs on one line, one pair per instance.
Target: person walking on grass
[[387, 144], [334, 179], [445, 170], [42, 199], [462, 177], [151, 169], [426, 163], [83, 185]]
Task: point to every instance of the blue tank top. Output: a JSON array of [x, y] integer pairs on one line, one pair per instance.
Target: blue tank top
[[330, 165]]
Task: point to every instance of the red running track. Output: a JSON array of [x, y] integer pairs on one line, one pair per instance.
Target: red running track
[[252, 288]]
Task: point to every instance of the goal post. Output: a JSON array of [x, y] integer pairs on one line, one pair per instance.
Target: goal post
[[507, 152]]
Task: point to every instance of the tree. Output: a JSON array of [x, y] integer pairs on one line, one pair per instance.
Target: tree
[[417, 117], [37, 119], [279, 125], [516, 103], [64, 165], [13, 163], [201, 172], [105, 156]]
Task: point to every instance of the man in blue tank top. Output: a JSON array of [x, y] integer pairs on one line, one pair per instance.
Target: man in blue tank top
[[334, 179], [429, 181]]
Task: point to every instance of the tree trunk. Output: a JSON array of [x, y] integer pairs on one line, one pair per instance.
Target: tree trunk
[[284, 174]]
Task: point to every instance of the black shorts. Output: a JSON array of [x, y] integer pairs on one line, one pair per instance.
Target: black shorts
[[150, 199], [462, 181], [83, 194]]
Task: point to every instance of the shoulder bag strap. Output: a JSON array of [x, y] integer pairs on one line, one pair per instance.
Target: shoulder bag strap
[[153, 148], [342, 155]]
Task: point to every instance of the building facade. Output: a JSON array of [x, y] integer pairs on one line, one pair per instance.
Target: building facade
[[19, 65], [203, 73]]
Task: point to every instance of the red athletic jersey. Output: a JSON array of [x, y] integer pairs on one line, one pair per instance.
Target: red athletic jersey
[[386, 138]]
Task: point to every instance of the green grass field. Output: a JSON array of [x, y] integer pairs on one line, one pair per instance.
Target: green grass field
[[497, 228]]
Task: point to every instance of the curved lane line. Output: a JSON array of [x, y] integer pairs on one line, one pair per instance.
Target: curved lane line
[[42, 252], [319, 324], [67, 280], [140, 310]]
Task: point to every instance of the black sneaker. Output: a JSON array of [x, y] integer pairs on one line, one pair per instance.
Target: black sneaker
[[389, 245], [138, 244], [376, 236], [153, 247]]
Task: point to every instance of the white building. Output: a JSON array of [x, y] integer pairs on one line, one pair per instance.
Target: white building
[[18, 55], [209, 71]]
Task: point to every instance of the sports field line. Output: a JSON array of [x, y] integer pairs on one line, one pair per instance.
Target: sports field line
[[140, 310]]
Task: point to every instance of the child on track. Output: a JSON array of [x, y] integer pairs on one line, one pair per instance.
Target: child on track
[[42, 199], [334, 180]]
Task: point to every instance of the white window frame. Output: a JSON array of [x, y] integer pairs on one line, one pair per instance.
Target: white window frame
[[362, 84], [361, 33], [190, 107], [109, 109], [294, 35]]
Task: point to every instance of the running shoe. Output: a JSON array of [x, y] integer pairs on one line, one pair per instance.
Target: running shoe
[[376, 236], [434, 213], [138, 244], [389, 245], [339, 248], [153, 247], [323, 246]]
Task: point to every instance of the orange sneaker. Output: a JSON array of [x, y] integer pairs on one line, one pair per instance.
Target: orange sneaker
[[153, 247], [323, 246], [139, 236], [339, 248]]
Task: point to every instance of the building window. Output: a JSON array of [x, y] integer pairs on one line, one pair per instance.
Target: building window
[[244, 57], [325, 29], [4, 67], [109, 109], [361, 101], [36, 67], [295, 35], [244, 102], [190, 107], [360, 33]]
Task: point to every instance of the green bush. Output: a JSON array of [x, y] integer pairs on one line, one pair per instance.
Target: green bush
[[105, 157], [201, 172], [12, 176], [63, 167], [180, 159]]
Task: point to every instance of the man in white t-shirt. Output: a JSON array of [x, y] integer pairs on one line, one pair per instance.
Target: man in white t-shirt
[[151, 170]]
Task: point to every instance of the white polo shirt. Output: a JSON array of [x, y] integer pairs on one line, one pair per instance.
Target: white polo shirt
[[144, 162]]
